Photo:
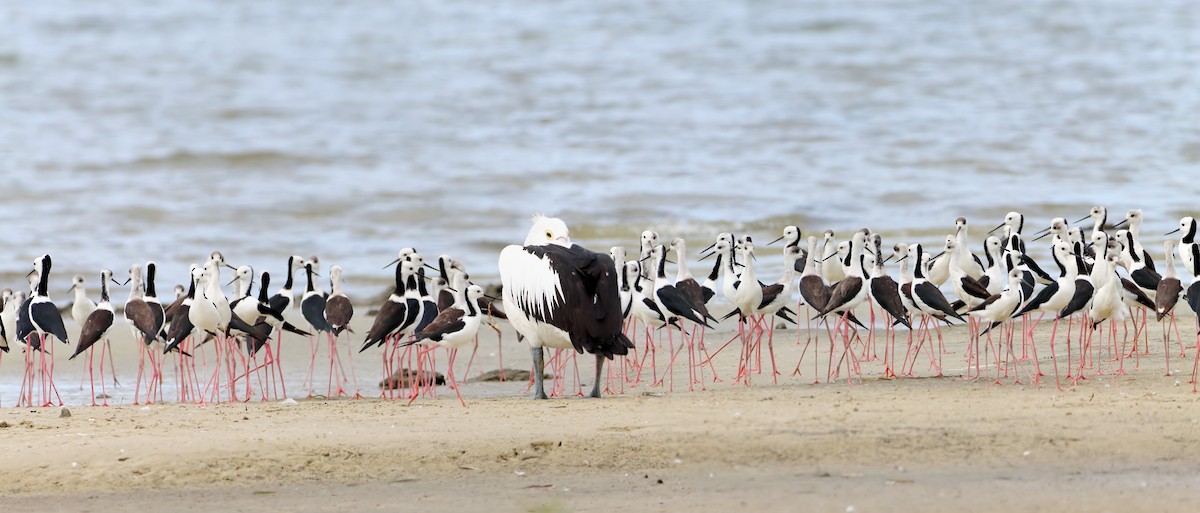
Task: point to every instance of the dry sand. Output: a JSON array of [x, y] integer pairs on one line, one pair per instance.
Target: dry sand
[[1110, 443]]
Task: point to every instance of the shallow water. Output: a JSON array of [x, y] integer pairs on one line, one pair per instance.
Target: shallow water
[[349, 129]]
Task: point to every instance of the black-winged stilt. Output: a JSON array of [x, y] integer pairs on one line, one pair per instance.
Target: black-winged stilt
[[1055, 296], [42, 319], [95, 328], [454, 328], [996, 310], [145, 326], [338, 313]]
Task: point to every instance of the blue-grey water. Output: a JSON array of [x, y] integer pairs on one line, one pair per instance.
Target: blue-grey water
[[132, 131]]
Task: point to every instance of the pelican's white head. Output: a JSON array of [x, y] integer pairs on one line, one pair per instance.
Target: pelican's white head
[[548, 230]]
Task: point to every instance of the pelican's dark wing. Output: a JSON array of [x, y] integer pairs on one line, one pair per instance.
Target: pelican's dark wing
[[589, 307]]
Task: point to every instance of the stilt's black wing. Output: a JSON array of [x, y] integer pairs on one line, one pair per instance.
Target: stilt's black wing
[[159, 314], [279, 302], [142, 316], [254, 344], [679, 305], [1041, 275], [1193, 296], [1027, 282], [313, 308], [1132, 289], [181, 327], [449, 320], [971, 286], [445, 299], [265, 310], [930, 295], [429, 312], [1146, 278], [887, 294], [654, 308], [814, 291], [842, 293], [170, 311], [258, 332], [1166, 296], [94, 327], [770, 292], [1040, 299], [338, 312], [390, 316], [694, 294], [986, 303], [49, 320], [1083, 294]]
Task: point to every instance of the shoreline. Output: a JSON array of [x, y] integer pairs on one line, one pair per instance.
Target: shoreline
[[926, 436]]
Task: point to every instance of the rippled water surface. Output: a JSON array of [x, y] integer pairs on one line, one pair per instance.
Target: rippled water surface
[[348, 129]]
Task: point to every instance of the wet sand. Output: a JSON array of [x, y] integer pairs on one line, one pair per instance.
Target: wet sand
[[1110, 443]]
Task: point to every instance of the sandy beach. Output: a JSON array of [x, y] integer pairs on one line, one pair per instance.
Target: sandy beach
[[1109, 443]]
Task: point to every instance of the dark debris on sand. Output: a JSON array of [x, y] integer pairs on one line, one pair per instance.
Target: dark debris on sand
[[400, 379]]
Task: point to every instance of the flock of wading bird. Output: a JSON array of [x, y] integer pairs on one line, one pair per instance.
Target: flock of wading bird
[[559, 295], [240, 327]]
